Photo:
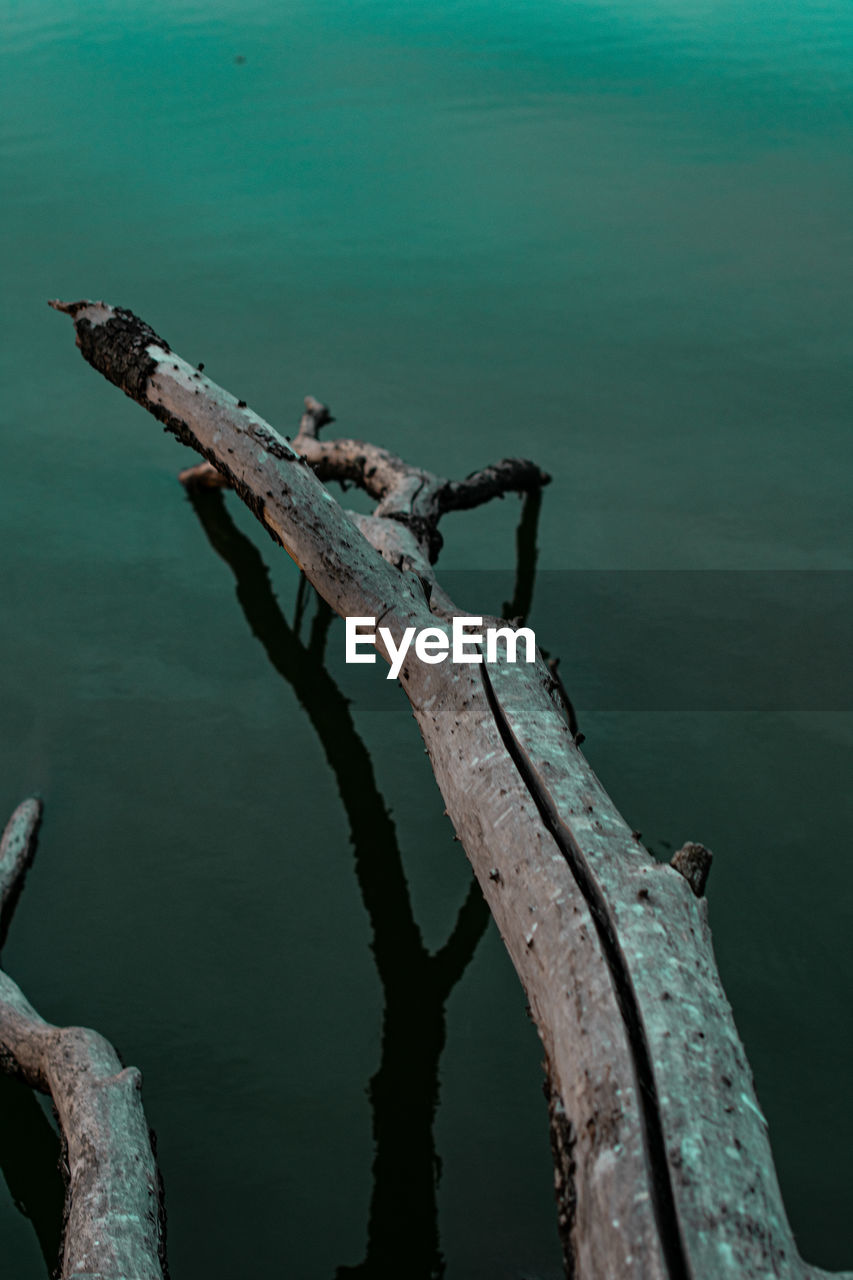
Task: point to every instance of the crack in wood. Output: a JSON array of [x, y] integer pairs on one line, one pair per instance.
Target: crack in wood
[[660, 1181]]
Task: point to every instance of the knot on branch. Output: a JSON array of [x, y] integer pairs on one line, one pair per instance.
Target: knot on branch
[[693, 861]]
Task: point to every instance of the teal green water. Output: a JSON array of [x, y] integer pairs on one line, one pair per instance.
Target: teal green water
[[615, 237]]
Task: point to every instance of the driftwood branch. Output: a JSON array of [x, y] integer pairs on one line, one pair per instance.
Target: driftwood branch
[[664, 1168], [113, 1224]]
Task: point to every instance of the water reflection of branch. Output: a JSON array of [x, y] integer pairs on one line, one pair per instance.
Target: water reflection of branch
[[522, 597], [525, 557], [403, 1226]]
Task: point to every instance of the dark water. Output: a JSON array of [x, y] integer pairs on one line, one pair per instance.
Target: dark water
[[615, 237]]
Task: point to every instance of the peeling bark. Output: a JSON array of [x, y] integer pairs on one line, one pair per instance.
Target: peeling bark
[[662, 1155], [114, 1227]]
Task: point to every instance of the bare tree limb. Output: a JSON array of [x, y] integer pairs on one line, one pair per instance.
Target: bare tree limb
[[663, 1154], [113, 1223]]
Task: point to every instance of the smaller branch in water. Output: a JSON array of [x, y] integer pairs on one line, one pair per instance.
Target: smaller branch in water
[[114, 1225], [17, 849]]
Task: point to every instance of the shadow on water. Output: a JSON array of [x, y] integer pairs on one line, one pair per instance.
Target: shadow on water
[[30, 1152], [403, 1223]]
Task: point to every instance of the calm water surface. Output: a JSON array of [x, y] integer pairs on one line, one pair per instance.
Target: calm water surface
[[615, 237]]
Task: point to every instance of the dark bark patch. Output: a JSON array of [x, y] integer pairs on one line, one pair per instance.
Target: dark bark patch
[[118, 349]]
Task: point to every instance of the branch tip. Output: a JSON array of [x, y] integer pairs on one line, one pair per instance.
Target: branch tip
[[67, 308], [316, 415], [19, 836]]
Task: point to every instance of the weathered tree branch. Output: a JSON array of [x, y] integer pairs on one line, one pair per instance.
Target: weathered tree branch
[[663, 1155], [113, 1223]]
